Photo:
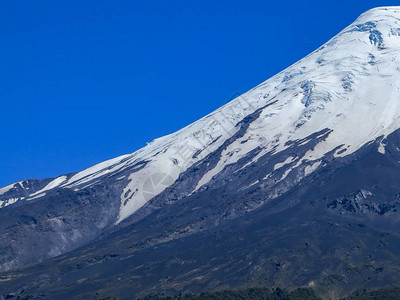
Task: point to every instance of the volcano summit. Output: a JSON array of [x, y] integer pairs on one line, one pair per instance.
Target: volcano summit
[[294, 184]]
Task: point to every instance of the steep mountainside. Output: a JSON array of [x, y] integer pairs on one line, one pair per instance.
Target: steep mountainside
[[293, 183]]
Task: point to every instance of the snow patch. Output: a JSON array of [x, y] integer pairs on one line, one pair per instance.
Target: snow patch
[[54, 183], [6, 188], [287, 161], [309, 169], [37, 196], [381, 148], [8, 202]]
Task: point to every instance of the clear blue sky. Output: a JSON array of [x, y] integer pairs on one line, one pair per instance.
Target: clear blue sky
[[84, 81]]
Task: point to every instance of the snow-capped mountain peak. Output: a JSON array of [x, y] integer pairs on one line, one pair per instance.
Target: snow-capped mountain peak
[[349, 86]]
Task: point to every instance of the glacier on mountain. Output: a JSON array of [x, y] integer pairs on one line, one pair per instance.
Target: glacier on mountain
[[350, 86]]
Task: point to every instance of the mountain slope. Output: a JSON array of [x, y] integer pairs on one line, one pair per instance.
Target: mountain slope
[[335, 232], [292, 183]]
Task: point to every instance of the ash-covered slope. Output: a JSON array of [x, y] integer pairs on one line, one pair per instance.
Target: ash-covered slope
[[315, 146]]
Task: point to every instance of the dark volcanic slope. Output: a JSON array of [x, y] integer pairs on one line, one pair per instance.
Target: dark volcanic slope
[[294, 183], [336, 231]]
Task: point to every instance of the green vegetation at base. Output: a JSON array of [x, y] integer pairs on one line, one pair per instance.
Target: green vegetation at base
[[247, 294], [380, 294], [391, 293], [279, 294]]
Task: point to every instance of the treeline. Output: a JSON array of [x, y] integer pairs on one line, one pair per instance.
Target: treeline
[[381, 294], [278, 294], [248, 294]]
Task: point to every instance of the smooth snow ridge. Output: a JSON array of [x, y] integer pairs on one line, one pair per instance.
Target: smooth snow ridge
[[6, 189], [350, 85]]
